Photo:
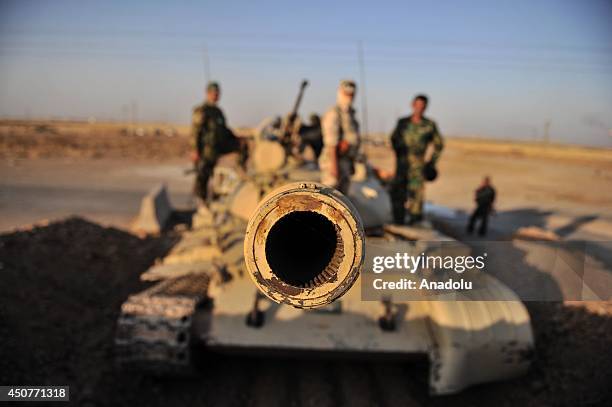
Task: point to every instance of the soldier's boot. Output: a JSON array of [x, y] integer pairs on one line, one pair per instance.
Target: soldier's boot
[[482, 231], [398, 204], [243, 157], [471, 223], [205, 171], [200, 189], [398, 193], [399, 212]]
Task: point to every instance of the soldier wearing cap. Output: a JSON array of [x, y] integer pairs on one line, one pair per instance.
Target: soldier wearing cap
[[341, 140], [211, 138], [410, 139]]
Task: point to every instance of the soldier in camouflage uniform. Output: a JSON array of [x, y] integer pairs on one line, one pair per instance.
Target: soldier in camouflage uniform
[[211, 138], [411, 139], [341, 140]]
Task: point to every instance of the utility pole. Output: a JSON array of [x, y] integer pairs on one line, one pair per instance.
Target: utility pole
[[364, 98], [546, 131], [206, 65], [134, 115]]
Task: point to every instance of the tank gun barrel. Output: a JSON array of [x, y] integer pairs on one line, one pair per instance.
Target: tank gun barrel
[[304, 245]]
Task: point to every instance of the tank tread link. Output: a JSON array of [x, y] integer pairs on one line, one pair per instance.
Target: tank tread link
[[155, 327]]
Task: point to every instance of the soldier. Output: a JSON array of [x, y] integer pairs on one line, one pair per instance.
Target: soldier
[[484, 197], [410, 139], [211, 138], [341, 140], [311, 135]]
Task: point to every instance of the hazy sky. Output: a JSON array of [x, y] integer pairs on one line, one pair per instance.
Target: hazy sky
[[491, 68]]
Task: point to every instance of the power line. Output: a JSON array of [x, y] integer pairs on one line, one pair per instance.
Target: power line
[[292, 37], [374, 53], [389, 61], [327, 49]]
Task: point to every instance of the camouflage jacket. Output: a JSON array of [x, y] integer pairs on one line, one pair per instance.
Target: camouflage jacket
[[340, 124], [412, 139], [208, 130]]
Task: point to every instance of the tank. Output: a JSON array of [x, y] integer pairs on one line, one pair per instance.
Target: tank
[[273, 267]]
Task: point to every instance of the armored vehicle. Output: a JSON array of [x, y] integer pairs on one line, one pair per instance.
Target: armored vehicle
[[273, 266]]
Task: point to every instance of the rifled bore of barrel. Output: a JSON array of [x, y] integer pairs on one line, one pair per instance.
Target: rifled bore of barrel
[[304, 245]]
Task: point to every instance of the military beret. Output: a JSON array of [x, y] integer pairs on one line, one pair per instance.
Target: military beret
[[348, 85], [213, 86]]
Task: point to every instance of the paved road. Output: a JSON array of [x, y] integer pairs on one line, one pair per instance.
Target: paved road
[[105, 191], [577, 267]]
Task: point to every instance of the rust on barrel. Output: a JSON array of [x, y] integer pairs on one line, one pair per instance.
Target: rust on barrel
[[298, 202], [280, 287]]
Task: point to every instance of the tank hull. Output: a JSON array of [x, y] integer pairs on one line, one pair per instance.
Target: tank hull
[[465, 342]]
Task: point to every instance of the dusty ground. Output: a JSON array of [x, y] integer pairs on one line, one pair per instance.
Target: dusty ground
[[48, 139], [60, 299], [106, 166], [565, 179], [51, 170]]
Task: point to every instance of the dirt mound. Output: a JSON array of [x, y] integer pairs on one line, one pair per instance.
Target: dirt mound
[[573, 359], [62, 286]]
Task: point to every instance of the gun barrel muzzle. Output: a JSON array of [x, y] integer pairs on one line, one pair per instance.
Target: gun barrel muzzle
[[304, 245]]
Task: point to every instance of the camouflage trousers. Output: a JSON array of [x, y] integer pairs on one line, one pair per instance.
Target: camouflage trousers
[[346, 169], [408, 184], [204, 170]]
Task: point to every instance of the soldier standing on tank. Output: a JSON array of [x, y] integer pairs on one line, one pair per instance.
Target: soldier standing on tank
[[311, 135], [211, 138], [484, 197], [341, 140], [410, 139]]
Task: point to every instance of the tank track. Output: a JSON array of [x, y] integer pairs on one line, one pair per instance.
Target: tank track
[[158, 329], [155, 328]]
